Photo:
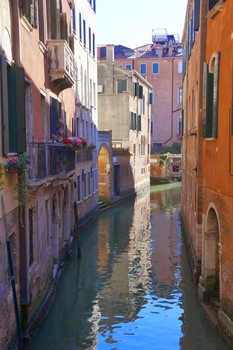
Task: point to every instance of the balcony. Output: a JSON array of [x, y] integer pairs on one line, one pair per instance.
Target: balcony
[[61, 65], [49, 159], [84, 155]]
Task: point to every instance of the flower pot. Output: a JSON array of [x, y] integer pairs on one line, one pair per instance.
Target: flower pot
[[12, 170]]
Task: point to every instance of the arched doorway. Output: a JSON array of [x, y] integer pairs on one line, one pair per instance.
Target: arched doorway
[[211, 258], [104, 174]]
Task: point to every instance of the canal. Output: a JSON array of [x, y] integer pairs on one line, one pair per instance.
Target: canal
[[132, 286]]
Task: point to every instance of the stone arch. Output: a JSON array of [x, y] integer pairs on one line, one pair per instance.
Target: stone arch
[[211, 256], [104, 174], [6, 29]]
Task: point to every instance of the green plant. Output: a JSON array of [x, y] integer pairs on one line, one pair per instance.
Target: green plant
[[21, 189], [2, 176]]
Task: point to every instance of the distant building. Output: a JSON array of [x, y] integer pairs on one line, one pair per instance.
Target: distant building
[[160, 63], [124, 104]]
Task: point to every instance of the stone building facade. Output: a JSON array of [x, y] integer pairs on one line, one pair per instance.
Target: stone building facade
[[124, 104], [207, 140], [43, 58], [160, 63]]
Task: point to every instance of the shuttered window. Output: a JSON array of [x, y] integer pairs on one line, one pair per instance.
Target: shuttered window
[[55, 115], [13, 108], [196, 14], [210, 98], [212, 3], [121, 85], [29, 10], [140, 92]]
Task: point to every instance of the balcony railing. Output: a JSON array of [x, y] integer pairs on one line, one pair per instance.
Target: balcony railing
[[61, 65], [84, 155], [49, 159]]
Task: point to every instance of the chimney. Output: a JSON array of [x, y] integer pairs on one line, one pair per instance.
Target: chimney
[[170, 48], [109, 87], [110, 54]]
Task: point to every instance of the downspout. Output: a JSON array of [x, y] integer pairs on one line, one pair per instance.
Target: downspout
[[23, 243], [172, 94]]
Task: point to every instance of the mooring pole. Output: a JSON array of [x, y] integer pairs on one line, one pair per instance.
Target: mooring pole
[[19, 334], [76, 228]]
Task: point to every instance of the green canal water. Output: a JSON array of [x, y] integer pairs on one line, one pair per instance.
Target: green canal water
[[132, 287]]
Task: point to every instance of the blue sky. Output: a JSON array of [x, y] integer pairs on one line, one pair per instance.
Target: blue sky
[[130, 22]]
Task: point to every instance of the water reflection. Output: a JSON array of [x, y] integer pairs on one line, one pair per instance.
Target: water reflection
[[132, 286]]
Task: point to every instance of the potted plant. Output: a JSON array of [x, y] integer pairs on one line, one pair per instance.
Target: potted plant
[[12, 164], [20, 164]]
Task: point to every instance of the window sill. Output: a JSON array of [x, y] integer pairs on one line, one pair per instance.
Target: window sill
[[214, 11], [209, 139], [26, 24]]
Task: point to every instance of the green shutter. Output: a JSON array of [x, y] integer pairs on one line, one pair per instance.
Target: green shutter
[[215, 95], [205, 73], [121, 86], [209, 105], [16, 98], [140, 95], [4, 106], [64, 29]]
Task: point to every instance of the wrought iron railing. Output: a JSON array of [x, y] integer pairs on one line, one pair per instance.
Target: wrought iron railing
[[84, 155], [48, 159]]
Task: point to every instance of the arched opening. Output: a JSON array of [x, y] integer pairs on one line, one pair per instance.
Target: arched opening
[[211, 263], [104, 172]]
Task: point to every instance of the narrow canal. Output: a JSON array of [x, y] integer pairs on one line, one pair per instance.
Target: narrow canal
[[132, 286]]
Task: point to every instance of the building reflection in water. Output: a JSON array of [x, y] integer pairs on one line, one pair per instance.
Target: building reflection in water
[[132, 285]]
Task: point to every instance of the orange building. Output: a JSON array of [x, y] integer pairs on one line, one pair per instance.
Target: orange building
[[207, 153]]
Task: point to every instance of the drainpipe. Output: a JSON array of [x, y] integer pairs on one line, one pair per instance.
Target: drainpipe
[[172, 94]]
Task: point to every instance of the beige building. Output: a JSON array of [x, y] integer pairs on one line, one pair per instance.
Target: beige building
[[160, 63], [124, 101]]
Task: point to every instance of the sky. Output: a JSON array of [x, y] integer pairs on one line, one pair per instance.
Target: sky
[[130, 22]]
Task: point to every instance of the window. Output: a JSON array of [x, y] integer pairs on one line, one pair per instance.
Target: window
[[139, 123], [143, 68], [179, 126], [74, 20], [142, 105], [212, 3], [12, 88], [151, 98], [135, 89], [79, 188], [175, 168], [179, 95], [80, 27], [133, 121], [89, 32], [93, 45], [180, 66], [210, 97], [89, 183], [155, 68], [41, 20], [84, 184], [32, 220], [29, 10], [47, 218], [55, 115], [128, 66], [121, 86], [84, 33]]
